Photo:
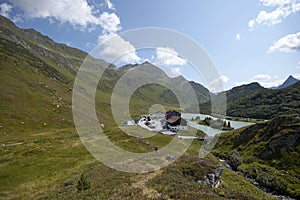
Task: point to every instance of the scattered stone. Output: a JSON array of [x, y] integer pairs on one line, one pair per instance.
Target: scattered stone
[[213, 180], [45, 124], [170, 158], [102, 125], [22, 123], [57, 106]]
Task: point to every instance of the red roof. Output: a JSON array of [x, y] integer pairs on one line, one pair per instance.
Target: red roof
[[173, 119]]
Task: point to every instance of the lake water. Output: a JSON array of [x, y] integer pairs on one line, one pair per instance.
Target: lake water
[[208, 130]]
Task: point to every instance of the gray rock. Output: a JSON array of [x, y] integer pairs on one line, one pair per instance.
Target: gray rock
[[213, 180]]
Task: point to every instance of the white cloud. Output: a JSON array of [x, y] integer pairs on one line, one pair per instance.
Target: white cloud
[[5, 9], [264, 80], [276, 2], [110, 5], [80, 13], [251, 24], [262, 77], [76, 12], [298, 67], [217, 85], [170, 71], [241, 83], [114, 47], [282, 9], [110, 23], [296, 76], [238, 36], [168, 56], [289, 43], [224, 79]]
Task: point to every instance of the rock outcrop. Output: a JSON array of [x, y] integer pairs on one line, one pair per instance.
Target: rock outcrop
[[213, 180]]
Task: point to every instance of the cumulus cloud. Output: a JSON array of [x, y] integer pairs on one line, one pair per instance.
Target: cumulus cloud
[[110, 5], [281, 10], [5, 9], [168, 56], [251, 24], [217, 85], [77, 12], [113, 48], [288, 43], [110, 23], [80, 13], [276, 2], [298, 67], [238, 36], [262, 77], [171, 71]]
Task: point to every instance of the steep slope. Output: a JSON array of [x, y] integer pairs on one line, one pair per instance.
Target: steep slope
[[164, 94], [268, 153], [289, 81], [266, 104], [254, 101], [232, 95], [40, 152]]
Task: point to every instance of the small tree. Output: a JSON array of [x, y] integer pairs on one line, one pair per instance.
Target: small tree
[[228, 124], [83, 184], [234, 159]]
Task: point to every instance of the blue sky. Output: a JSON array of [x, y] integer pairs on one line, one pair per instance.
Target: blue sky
[[248, 41]]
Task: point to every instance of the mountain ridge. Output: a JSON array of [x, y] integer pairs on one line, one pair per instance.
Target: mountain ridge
[[289, 81], [41, 153]]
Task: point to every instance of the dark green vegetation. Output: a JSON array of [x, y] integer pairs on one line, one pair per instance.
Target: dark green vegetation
[[217, 124], [254, 101], [267, 152], [41, 155]]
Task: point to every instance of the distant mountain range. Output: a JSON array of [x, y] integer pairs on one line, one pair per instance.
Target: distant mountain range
[[37, 76], [37, 129]]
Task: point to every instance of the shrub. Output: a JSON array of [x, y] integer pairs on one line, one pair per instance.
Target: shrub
[[234, 159], [271, 182], [83, 184]]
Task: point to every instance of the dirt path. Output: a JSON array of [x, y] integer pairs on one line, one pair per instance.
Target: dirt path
[[141, 184]]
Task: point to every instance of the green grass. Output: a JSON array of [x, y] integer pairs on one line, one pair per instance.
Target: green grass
[[41, 155], [42, 160], [282, 166]]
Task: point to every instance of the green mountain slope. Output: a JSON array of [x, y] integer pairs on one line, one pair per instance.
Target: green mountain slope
[[269, 153], [254, 101], [41, 155]]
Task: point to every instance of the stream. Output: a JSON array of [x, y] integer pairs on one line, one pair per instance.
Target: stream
[[253, 181]]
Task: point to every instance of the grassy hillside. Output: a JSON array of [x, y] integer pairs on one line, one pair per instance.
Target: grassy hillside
[[267, 152], [41, 155], [254, 101]]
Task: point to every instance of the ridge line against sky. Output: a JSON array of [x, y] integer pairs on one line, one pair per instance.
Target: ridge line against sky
[[256, 41]]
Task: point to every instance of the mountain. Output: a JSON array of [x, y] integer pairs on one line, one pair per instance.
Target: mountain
[[289, 81], [42, 156], [266, 103], [267, 152], [233, 94], [257, 102]]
